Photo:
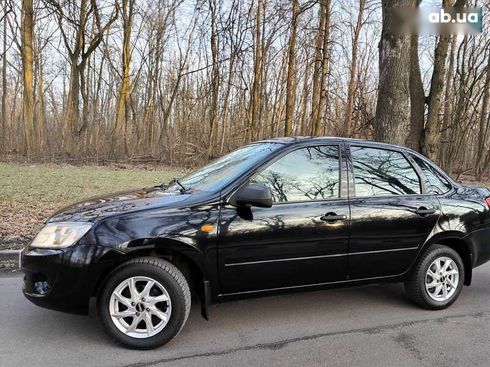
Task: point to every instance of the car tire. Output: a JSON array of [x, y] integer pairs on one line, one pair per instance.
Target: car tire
[[430, 285], [140, 322]]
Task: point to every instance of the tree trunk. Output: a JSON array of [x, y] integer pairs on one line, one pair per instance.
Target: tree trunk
[[28, 75], [392, 119], [460, 106], [226, 99], [84, 91], [291, 78], [40, 111], [305, 95], [257, 75], [432, 132], [5, 136], [417, 98], [348, 128], [325, 69], [448, 107], [214, 81], [317, 67], [480, 167], [121, 136], [71, 116]]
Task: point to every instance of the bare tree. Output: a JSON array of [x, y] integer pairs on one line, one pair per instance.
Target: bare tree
[[482, 162], [214, 80], [321, 67], [122, 130], [348, 127], [432, 132], [257, 74], [291, 78], [180, 82], [4, 138], [417, 96], [80, 45]]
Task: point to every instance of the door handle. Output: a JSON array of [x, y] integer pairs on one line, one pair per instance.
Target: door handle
[[423, 211], [332, 217]]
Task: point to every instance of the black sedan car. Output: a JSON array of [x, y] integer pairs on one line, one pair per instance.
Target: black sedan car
[[272, 216]]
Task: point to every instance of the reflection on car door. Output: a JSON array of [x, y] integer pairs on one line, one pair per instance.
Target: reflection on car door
[[390, 215], [293, 243]]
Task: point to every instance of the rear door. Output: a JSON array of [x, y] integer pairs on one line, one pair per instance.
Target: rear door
[[391, 214], [302, 239]]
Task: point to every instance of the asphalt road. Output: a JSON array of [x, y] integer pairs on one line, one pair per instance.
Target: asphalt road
[[368, 326]]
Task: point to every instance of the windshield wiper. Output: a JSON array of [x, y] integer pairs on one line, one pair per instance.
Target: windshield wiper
[[176, 181], [162, 186]]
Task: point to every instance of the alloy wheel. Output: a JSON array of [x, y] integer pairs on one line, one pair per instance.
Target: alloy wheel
[[442, 279], [140, 307]]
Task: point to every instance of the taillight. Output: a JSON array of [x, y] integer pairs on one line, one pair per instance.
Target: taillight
[[487, 200]]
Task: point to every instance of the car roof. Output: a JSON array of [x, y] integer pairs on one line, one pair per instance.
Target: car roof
[[331, 139]]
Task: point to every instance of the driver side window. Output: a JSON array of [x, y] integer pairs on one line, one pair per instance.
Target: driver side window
[[306, 174]]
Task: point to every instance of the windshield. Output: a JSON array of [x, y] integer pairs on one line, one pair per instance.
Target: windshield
[[219, 173]]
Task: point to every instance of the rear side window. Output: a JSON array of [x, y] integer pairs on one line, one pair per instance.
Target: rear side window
[[380, 172], [436, 183], [304, 174]]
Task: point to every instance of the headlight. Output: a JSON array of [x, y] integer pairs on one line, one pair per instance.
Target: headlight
[[60, 235]]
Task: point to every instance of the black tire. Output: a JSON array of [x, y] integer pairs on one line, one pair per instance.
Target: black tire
[[416, 287], [174, 282]]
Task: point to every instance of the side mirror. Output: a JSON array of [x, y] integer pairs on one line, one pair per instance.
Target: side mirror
[[253, 195]]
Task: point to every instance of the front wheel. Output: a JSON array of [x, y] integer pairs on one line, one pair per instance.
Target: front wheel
[[437, 279], [144, 303]]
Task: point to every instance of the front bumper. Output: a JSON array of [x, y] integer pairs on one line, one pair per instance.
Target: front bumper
[[64, 280]]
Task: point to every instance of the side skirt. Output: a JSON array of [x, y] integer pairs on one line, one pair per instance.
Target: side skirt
[[326, 285]]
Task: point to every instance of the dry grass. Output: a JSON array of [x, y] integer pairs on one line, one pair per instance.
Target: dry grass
[[30, 193]]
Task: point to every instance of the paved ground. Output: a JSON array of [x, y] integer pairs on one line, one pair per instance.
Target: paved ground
[[368, 326]]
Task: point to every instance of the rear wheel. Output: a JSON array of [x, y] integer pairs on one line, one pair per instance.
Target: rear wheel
[[144, 303], [437, 279]]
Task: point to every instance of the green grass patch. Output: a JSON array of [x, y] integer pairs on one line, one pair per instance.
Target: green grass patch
[[31, 193], [66, 184]]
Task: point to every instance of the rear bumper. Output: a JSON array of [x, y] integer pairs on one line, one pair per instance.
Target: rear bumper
[[64, 280]]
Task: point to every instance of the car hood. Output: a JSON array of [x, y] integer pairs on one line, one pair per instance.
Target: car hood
[[99, 207]]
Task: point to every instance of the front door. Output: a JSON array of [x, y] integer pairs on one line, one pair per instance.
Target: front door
[[302, 239], [391, 216]]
